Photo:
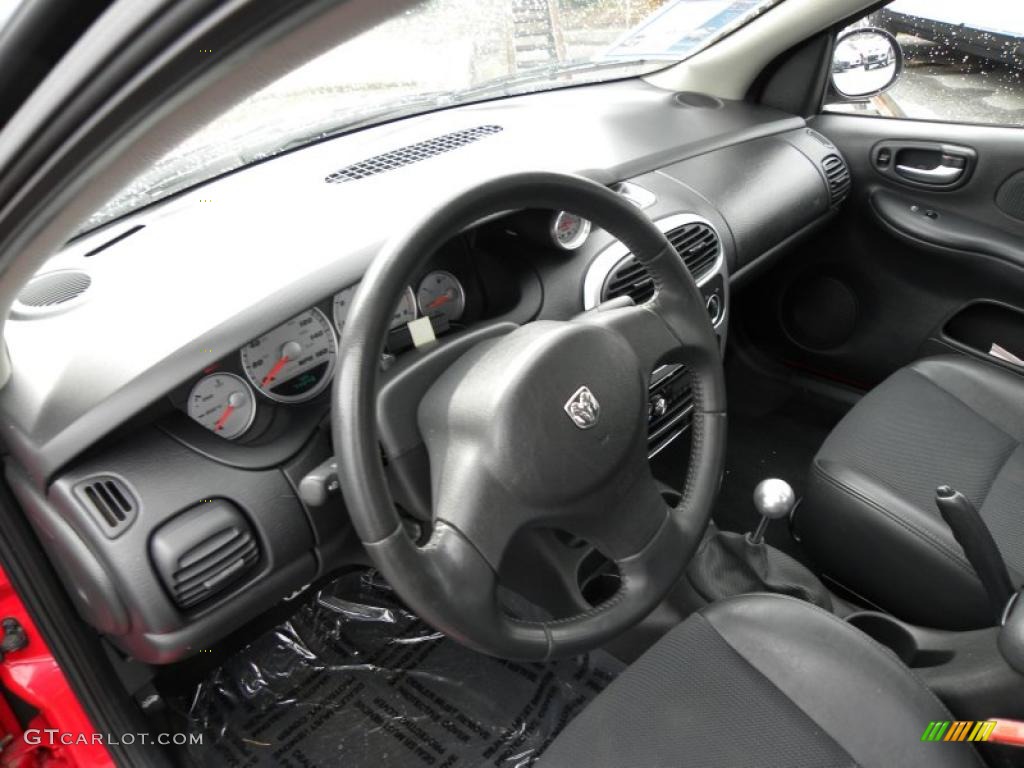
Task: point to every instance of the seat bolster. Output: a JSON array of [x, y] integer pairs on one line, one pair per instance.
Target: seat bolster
[[866, 536], [856, 690], [989, 390]]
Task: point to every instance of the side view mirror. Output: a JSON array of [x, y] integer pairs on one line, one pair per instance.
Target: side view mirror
[[865, 63]]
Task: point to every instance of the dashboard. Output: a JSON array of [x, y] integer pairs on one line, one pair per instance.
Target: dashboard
[[291, 364], [168, 436]]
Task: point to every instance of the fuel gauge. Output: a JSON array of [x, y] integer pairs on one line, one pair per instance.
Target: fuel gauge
[[223, 403], [441, 293]]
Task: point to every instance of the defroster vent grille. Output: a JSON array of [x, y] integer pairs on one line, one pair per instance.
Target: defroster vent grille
[[413, 153]]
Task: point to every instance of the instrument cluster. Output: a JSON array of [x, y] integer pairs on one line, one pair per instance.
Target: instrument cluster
[[294, 362]]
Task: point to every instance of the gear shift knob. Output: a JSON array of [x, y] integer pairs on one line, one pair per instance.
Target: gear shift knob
[[773, 498]]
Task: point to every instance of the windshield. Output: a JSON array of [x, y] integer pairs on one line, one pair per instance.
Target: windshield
[[7, 9], [440, 53]]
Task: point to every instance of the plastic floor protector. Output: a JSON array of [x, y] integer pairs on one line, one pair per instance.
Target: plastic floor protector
[[355, 679]]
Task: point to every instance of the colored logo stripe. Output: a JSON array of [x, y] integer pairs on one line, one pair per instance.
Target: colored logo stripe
[[960, 730], [935, 731]]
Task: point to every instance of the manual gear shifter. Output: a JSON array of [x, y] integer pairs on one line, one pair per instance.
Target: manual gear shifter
[[728, 564], [774, 499]]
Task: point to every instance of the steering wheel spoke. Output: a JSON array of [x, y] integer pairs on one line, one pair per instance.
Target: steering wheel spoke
[[621, 519], [643, 328], [462, 489]]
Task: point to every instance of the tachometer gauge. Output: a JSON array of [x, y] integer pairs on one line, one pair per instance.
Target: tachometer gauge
[[404, 312], [441, 293], [223, 403], [293, 362], [569, 231]]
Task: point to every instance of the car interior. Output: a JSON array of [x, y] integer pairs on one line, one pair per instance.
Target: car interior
[[661, 420]]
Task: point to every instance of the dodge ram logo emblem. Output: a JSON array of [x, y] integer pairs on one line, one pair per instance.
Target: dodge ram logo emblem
[[583, 408]]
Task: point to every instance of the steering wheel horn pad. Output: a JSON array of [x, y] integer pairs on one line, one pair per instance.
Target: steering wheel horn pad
[[510, 400], [542, 427]]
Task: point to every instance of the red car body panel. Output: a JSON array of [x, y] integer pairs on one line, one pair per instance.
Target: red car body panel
[[33, 675]]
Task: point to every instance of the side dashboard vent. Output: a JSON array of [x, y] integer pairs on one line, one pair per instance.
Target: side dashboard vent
[[51, 293], [838, 176], [110, 502], [411, 154], [203, 551], [820, 138], [697, 245]]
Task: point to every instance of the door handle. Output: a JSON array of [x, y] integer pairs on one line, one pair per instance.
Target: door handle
[[942, 174], [924, 164]]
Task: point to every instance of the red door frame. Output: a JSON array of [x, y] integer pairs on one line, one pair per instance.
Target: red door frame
[[60, 735]]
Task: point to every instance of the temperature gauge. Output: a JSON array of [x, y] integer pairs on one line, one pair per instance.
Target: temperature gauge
[[224, 404]]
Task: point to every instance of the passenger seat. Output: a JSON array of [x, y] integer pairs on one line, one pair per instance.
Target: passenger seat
[[869, 517]]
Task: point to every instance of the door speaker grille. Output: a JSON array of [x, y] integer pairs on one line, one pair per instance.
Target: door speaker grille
[[1010, 197]]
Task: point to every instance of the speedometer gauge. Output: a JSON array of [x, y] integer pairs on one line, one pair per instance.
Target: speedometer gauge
[[293, 362], [568, 230], [404, 312], [223, 403]]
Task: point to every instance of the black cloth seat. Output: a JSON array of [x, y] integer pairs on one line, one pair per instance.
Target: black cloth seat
[[760, 681], [869, 516]]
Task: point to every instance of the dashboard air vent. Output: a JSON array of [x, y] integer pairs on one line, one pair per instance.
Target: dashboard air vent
[[203, 551], [413, 153], [110, 502], [838, 176], [631, 279], [697, 245], [46, 293]]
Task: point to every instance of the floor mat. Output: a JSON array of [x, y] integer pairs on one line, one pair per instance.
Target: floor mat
[[354, 679]]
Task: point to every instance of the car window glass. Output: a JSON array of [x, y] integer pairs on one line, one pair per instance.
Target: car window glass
[[962, 62], [437, 54]]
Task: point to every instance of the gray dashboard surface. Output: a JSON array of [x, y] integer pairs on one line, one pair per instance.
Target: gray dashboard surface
[[225, 262]]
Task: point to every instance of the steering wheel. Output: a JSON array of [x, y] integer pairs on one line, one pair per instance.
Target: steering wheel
[[544, 426]]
